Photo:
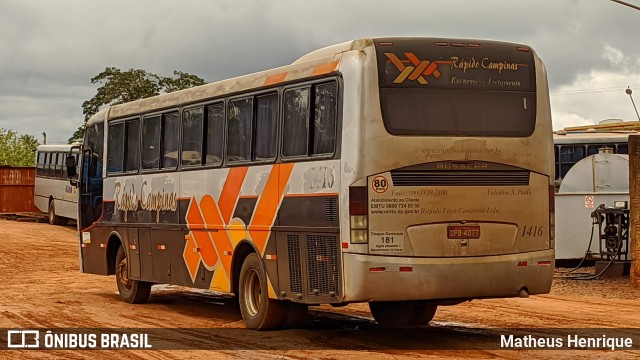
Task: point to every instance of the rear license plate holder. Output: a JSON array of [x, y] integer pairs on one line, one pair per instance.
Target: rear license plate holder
[[463, 232]]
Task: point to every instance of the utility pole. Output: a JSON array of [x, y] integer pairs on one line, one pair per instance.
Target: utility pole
[[629, 92]]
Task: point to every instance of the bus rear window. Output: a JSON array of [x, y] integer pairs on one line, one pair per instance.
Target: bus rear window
[[457, 87], [411, 111]]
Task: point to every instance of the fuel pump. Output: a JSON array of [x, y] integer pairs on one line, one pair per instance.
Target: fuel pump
[[613, 230], [613, 242]]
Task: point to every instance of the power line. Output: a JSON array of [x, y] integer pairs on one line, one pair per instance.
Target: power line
[[595, 90], [627, 4]]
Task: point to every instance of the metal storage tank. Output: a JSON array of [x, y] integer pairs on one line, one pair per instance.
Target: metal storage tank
[[597, 179]]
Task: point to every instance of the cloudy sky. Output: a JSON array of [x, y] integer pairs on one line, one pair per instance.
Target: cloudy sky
[[49, 50]]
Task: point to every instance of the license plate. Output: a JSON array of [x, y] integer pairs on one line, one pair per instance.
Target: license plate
[[463, 232]]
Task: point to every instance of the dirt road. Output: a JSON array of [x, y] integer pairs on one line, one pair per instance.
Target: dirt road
[[41, 287]]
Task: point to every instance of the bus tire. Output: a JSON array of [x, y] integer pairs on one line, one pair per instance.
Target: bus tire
[[396, 314], [258, 310], [131, 291], [53, 218]]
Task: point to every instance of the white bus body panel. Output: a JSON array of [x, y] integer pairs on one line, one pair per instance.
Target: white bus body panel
[[64, 195]]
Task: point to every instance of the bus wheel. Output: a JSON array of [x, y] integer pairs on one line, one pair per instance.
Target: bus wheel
[[258, 311], [402, 313], [53, 218], [131, 291]]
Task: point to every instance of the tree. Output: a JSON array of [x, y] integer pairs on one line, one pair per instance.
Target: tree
[[17, 150], [118, 87]]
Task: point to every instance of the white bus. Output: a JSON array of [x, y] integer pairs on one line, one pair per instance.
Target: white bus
[[404, 172], [573, 146], [53, 193]]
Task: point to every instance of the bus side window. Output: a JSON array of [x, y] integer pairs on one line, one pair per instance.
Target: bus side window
[[50, 164], [133, 145], [622, 149], [192, 120], [61, 170], [296, 122], [266, 127], [569, 155], [115, 150], [170, 131], [151, 143], [214, 141], [239, 130], [323, 132], [593, 149], [41, 162]]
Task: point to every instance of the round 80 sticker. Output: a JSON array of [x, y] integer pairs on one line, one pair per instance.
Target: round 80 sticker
[[380, 184]]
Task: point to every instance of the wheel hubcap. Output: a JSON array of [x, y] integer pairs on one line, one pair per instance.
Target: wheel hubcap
[[252, 291]]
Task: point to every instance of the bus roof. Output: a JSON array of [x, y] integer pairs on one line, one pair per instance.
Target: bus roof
[[56, 147], [318, 62], [590, 137]]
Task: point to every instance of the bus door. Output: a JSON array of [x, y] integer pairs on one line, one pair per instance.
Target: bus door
[[90, 189]]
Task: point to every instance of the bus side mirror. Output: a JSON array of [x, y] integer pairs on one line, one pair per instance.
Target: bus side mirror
[[70, 162]]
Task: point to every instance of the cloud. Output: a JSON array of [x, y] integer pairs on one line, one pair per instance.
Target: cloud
[[50, 50]]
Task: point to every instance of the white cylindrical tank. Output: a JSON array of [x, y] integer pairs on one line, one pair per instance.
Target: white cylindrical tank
[[597, 179]]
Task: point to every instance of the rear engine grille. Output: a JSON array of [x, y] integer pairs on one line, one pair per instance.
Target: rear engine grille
[[322, 257], [295, 270], [331, 209], [459, 178]]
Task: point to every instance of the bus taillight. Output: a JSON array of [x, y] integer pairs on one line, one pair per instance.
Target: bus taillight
[[358, 215], [358, 200]]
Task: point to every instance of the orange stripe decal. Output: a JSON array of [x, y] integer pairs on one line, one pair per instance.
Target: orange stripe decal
[[220, 238], [268, 203], [418, 71], [394, 59], [275, 79], [325, 68], [191, 257], [230, 191], [202, 239], [403, 75], [414, 59]]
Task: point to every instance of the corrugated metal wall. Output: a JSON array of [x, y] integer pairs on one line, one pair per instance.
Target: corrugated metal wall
[[16, 189]]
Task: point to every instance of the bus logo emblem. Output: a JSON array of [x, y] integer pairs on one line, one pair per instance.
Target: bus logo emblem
[[417, 71], [380, 184]]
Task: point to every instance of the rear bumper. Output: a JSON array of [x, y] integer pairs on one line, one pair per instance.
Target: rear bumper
[[446, 278]]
